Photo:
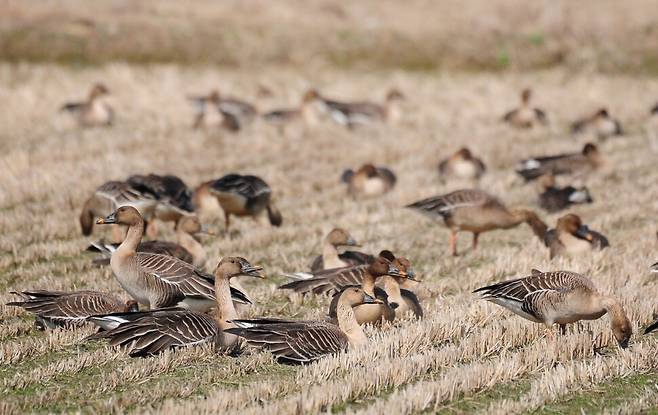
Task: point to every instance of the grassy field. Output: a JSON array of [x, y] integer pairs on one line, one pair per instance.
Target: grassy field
[[466, 355]]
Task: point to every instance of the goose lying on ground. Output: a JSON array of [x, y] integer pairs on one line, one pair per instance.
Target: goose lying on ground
[[369, 181], [92, 112], [462, 165], [571, 237], [525, 116], [330, 257], [587, 160]]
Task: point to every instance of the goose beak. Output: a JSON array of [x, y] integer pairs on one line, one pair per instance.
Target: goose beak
[[623, 343], [367, 299], [205, 230], [252, 271], [109, 219], [394, 272], [351, 242], [584, 233], [410, 274]]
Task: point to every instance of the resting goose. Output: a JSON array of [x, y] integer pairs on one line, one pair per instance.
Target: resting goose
[[559, 297], [474, 211], [525, 116], [244, 196], [571, 237], [235, 113], [462, 165], [588, 159], [54, 309], [369, 181], [352, 114], [93, 112], [156, 280], [330, 257], [553, 198], [304, 112], [293, 341], [151, 332], [600, 123]]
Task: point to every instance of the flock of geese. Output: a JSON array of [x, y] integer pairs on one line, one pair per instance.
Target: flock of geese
[[174, 303]]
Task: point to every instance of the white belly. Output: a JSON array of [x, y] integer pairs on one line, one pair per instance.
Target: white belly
[[465, 170]]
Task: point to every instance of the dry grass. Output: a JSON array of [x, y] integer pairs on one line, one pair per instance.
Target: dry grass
[[465, 350]]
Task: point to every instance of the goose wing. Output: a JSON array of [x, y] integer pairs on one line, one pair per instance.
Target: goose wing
[[326, 281], [445, 205], [246, 186], [170, 189], [154, 247]]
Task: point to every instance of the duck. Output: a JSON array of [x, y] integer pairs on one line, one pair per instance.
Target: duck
[[60, 309], [304, 112], [186, 247], [151, 332], [352, 114], [475, 211], [244, 195], [572, 237], [369, 180], [587, 160], [206, 205], [330, 257], [554, 199], [526, 116], [155, 280], [93, 112], [462, 165], [600, 123], [559, 297], [296, 342]]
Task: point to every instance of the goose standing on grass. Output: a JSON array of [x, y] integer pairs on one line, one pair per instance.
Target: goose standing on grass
[[330, 257], [462, 165], [600, 123], [156, 280], [293, 341], [93, 112], [571, 237], [304, 112], [54, 309], [525, 116], [369, 181], [151, 332], [559, 297], [352, 114], [244, 196], [587, 160], [474, 211], [554, 199]]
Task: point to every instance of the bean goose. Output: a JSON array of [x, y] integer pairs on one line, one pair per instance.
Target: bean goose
[[330, 257], [525, 116], [151, 332], [369, 181], [54, 309], [205, 104], [554, 199], [600, 123], [156, 280], [171, 190], [245, 196], [304, 112], [93, 111], [559, 297], [571, 237], [352, 114], [474, 211], [462, 165], [589, 159], [306, 341]]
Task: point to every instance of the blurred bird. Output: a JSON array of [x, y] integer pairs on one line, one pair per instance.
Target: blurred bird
[[369, 181], [525, 116], [92, 112], [600, 123]]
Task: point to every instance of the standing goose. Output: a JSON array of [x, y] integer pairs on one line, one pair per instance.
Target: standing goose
[[525, 116], [352, 114], [68, 309], [559, 297], [600, 123], [93, 112], [305, 111], [571, 237], [462, 165], [330, 257], [156, 280], [244, 196], [151, 332], [369, 181], [588, 159], [306, 341], [553, 198], [474, 211]]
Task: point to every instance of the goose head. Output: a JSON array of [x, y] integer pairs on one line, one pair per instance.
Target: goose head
[[131, 306], [98, 90], [463, 154], [355, 296], [394, 94], [382, 266], [230, 267], [573, 225], [526, 94], [340, 237], [310, 96], [125, 215], [367, 170]]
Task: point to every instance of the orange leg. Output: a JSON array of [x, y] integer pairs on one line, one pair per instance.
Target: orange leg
[[453, 242]]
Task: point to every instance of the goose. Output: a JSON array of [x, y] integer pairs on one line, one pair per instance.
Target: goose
[[156, 280], [187, 247], [474, 211], [201, 104], [54, 309], [571, 237], [293, 341], [244, 196], [234, 112], [600, 123], [554, 199], [352, 114], [330, 257], [369, 181], [93, 112], [525, 116], [304, 111], [462, 165], [151, 332], [559, 297], [588, 159]]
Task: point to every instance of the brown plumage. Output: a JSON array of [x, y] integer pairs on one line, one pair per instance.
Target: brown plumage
[[462, 165], [553, 198], [588, 159], [369, 180], [330, 257], [525, 116], [92, 112], [571, 237], [600, 123], [352, 114]]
